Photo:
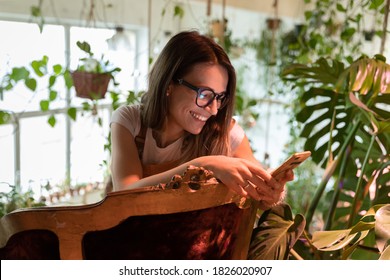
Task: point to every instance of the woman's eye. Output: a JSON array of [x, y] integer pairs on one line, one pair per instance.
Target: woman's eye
[[205, 94]]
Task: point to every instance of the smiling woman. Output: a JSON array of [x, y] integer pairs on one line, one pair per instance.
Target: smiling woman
[[185, 119]]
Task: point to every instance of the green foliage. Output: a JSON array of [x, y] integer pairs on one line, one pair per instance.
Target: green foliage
[[36, 13], [376, 220], [348, 108], [92, 64], [276, 234], [31, 75], [345, 116], [178, 11], [341, 114], [14, 199]]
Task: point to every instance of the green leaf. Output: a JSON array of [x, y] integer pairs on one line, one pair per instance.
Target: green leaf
[[72, 113], [178, 11], [52, 80], [44, 104], [35, 11], [68, 79], [252, 102], [4, 117], [40, 66], [347, 33], [84, 46], [340, 8], [52, 121], [332, 240], [362, 226], [276, 234], [52, 95], [19, 73], [382, 227], [57, 69], [376, 4], [31, 84]]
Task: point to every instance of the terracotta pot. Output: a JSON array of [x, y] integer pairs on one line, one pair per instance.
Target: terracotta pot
[[273, 23], [217, 29], [90, 85]]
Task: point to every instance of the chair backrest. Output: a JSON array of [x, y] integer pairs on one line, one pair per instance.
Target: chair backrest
[[185, 219]]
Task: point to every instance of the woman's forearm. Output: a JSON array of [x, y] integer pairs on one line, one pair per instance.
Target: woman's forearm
[[163, 177]]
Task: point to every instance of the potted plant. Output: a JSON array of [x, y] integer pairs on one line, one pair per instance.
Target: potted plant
[[93, 75], [273, 23]]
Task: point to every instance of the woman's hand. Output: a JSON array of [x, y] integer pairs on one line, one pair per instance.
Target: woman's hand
[[248, 178]]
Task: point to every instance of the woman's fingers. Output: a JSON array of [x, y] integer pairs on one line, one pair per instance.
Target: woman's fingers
[[249, 179], [251, 190], [286, 176]]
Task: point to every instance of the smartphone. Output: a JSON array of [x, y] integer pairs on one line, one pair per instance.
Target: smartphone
[[292, 162]]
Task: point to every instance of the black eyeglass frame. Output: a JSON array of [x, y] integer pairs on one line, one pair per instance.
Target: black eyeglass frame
[[222, 97]]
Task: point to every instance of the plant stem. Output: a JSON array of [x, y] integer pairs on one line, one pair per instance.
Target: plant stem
[[337, 188], [356, 199], [295, 254], [386, 19], [324, 181]]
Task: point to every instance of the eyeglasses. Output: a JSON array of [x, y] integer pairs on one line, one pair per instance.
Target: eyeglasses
[[205, 96]]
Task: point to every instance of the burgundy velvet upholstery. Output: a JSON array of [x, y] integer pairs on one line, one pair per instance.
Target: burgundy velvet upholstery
[[203, 234]]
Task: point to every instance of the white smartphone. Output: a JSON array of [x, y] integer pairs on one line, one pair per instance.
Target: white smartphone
[[292, 162]]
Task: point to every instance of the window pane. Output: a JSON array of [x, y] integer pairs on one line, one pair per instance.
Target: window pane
[[87, 148], [42, 152], [7, 161], [24, 44], [43, 148]]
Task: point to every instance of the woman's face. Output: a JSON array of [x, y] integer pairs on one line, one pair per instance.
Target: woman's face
[[184, 114]]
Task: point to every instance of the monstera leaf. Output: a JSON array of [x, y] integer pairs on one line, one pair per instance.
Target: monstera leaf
[[276, 234], [345, 113], [348, 239], [382, 228], [326, 120], [338, 99]]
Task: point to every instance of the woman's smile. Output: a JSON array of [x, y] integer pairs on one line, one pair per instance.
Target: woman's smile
[[198, 117]]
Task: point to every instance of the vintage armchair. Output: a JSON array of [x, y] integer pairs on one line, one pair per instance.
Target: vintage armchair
[[192, 217]]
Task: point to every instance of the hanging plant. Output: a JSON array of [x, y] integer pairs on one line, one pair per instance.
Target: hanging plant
[[92, 77]]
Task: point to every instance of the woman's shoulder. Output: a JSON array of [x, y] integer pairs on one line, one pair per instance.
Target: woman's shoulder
[[237, 134], [128, 109], [129, 117]]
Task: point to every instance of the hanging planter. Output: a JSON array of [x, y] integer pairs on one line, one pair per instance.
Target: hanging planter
[[90, 85], [273, 23], [92, 77], [218, 29], [368, 35]]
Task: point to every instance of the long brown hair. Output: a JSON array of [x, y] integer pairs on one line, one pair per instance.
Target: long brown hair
[[180, 54]]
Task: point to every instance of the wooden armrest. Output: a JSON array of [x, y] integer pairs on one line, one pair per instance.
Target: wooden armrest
[[117, 226]]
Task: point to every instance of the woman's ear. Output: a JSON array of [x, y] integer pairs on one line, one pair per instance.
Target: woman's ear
[[169, 89]]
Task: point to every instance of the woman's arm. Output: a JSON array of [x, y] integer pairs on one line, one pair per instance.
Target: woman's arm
[[126, 167], [241, 173]]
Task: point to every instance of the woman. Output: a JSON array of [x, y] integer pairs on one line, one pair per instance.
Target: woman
[[185, 118]]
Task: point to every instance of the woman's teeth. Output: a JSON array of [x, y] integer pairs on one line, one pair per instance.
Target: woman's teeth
[[199, 117]]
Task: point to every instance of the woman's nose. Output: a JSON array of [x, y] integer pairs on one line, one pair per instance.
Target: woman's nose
[[213, 107]]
